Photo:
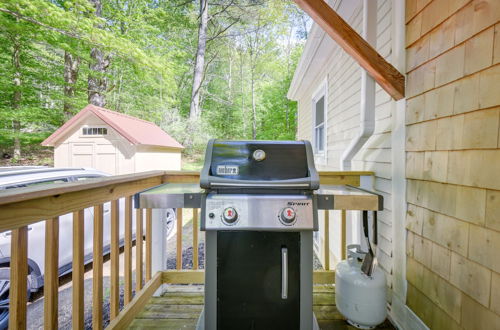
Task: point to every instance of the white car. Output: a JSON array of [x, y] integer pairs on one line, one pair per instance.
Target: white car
[[16, 177]]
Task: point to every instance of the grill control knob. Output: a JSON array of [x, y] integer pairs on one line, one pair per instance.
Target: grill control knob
[[288, 215], [230, 215]]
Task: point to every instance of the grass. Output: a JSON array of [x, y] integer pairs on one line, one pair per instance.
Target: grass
[[192, 164], [32, 153]]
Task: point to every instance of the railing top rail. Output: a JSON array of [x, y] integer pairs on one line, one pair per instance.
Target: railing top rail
[[23, 206], [38, 191], [24, 194]]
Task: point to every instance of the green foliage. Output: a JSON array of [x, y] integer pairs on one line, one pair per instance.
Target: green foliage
[[151, 45]]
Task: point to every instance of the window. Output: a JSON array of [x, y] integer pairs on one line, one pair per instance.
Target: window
[[319, 125], [94, 131]]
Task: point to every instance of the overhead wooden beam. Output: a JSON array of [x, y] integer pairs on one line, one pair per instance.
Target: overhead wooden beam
[[390, 79]]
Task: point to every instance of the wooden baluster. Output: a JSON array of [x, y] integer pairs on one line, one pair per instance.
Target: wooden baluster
[[343, 233], [149, 240], [114, 300], [327, 239], [128, 250], [138, 250], [51, 276], [97, 321], [18, 277], [179, 239], [195, 238], [78, 269]]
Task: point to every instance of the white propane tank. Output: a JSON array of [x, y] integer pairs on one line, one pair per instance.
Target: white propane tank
[[360, 298]]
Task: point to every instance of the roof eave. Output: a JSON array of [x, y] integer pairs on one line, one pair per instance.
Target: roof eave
[[115, 127], [52, 139], [310, 48]]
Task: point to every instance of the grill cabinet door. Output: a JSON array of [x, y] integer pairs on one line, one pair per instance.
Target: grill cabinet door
[[249, 280]]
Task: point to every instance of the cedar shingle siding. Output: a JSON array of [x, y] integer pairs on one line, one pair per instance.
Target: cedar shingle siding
[[453, 162]]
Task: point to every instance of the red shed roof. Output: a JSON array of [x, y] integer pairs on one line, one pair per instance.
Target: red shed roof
[[135, 130]]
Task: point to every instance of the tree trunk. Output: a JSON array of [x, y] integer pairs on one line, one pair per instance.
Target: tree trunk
[[16, 96], [242, 95], [254, 110], [199, 68], [97, 81], [230, 78], [288, 54], [71, 67]]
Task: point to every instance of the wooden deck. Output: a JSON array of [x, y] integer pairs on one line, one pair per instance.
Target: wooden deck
[[180, 307]]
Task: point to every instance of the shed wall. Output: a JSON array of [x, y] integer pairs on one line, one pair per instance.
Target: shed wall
[[111, 153], [103, 153], [453, 162], [156, 158]]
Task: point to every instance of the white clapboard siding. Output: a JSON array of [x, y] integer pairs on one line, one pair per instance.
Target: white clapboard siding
[[343, 80]]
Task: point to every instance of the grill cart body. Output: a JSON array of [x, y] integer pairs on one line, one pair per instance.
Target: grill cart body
[[259, 216]]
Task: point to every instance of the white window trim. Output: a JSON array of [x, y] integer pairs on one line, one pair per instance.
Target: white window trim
[[321, 91], [93, 135]]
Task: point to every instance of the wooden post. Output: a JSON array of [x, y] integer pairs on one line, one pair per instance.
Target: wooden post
[[149, 240], [138, 250], [327, 239], [51, 276], [158, 240], [78, 269], [18, 277], [97, 321], [128, 250], [114, 300], [179, 239], [388, 77], [195, 238], [343, 237]]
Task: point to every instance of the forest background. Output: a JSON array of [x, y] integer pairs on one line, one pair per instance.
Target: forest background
[[197, 68]]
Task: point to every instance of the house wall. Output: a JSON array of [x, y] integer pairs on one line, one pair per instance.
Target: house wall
[[343, 77], [453, 162]]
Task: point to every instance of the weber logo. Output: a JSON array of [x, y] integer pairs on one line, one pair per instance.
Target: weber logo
[[298, 203], [227, 170]]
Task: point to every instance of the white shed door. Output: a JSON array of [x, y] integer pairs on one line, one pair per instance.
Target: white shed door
[[82, 155], [106, 158], [101, 157]]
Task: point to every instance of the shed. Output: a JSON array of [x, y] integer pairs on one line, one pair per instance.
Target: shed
[[114, 143]]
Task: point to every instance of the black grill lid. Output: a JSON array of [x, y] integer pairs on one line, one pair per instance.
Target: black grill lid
[[232, 164]]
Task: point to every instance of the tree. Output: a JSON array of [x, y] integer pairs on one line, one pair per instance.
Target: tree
[[71, 68], [199, 66], [16, 96], [199, 69], [97, 80]]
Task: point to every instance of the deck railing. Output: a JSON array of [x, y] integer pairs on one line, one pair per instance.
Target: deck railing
[[21, 207]]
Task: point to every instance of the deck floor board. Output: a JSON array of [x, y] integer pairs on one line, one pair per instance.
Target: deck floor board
[[181, 305]]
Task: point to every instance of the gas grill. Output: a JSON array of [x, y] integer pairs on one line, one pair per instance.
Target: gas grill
[[258, 215], [259, 203]]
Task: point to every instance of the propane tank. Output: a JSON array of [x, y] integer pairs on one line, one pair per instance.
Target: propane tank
[[359, 297]]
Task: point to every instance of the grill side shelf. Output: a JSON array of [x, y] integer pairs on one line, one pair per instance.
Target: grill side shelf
[[170, 195], [348, 198]]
